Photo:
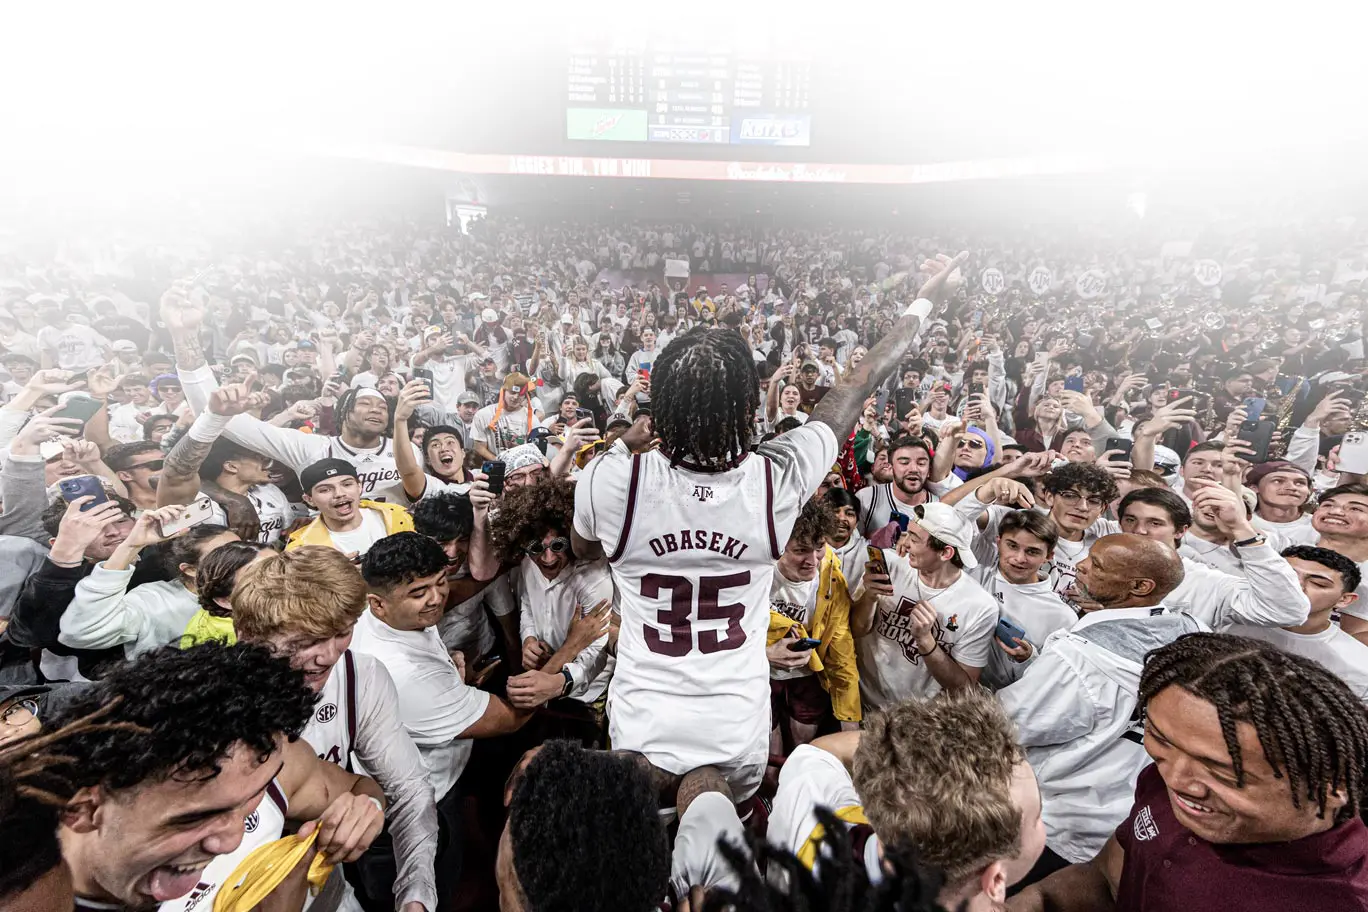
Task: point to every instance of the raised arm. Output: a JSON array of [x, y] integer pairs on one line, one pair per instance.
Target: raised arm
[[840, 409], [411, 473]]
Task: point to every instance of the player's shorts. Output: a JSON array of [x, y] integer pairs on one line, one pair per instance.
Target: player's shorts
[[801, 699]]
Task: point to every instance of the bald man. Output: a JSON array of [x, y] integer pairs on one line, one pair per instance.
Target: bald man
[[1075, 707], [1127, 573]]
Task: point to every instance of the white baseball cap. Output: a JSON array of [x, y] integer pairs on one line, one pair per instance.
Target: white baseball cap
[[948, 526], [489, 316]]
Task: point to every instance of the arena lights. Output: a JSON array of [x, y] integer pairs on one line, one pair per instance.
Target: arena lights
[[694, 169]]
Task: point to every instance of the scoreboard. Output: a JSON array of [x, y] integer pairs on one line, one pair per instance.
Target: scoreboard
[[660, 92]]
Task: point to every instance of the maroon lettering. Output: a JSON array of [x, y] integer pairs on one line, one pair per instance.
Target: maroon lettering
[[715, 542], [670, 544], [657, 547], [685, 540], [730, 548], [678, 616]]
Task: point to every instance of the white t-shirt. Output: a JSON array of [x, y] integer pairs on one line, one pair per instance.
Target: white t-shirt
[[75, 348], [797, 601], [273, 509], [813, 778], [1332, 647], [435, 705], [890, 667], [510, 431], [360, 539]]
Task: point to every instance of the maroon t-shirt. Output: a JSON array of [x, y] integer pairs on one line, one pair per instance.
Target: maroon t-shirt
[[1168, 868]]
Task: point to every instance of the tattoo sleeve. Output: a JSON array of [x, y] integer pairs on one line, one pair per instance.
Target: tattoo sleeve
[[180, 480], [840, 408], [189, 349]]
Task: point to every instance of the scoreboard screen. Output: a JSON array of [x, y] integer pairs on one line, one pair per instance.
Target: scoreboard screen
[[661, 92]]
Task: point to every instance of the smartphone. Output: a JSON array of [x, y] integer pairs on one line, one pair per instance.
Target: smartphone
[[488, 663], [1154, 323], [804, 643], [1074, 383], [82, 408], [1253, 407], [1122, 445], [1353, 455], [197, 512], [83, 486], [422, 373], [582, 413], [1085, 340], [876, 557], [494, 472], [1258, 434], [1007, 633], [976, 388], [903, 400]]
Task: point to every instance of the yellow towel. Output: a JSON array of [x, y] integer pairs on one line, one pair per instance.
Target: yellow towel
[[808, 853], [264, 870]]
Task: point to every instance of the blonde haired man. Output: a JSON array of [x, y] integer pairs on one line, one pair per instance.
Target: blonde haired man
[[303, 605], [943, 775]]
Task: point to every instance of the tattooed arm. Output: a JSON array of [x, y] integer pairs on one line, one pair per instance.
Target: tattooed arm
[[840, 408], [183, 320], [180, 480]]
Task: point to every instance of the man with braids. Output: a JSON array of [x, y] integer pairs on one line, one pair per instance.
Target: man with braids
[[1255, 798], [692, 531], [195, 760], [363, 415]]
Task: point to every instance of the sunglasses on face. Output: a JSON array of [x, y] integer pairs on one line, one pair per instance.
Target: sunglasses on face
[[557, 546], [153, 465]]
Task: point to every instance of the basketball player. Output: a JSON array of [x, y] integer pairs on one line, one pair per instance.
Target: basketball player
[[692, 531], [363, 415]]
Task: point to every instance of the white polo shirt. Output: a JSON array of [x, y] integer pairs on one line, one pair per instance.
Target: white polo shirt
[[549, 607], [435, 705]]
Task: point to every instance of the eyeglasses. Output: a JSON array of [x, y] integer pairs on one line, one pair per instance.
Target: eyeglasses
[[10, 715], [971, 444], [557, 546], [1073, 497]]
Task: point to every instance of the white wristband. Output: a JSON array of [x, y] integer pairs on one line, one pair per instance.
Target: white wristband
[[208, 427], [919, 308]]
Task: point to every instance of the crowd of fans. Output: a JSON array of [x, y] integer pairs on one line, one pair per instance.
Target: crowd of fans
[[413, 569]]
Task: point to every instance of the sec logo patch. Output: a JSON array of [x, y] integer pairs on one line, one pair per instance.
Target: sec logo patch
[[326, 713]]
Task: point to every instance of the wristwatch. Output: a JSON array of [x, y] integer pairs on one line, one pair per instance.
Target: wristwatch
[[569, 682], [1258, 539]]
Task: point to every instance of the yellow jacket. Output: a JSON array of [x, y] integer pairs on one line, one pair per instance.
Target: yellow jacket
[[396, 518], [834, 659]]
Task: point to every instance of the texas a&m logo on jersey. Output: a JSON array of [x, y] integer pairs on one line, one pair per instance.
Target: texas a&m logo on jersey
[[326, 713]]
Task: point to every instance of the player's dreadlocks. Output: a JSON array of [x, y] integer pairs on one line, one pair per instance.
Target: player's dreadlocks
[[33, 788], [704, 390], [1311, 726], [843, 886]]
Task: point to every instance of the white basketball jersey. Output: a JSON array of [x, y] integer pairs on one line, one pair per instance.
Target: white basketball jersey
[[332, 730], [693, 567], [377, 472], [263, 825]]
